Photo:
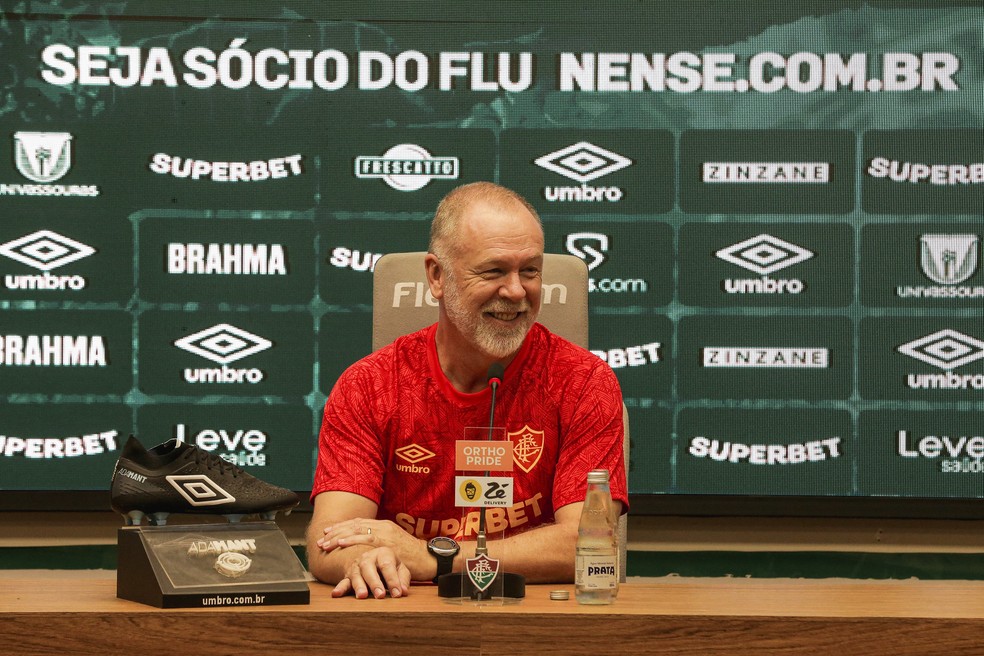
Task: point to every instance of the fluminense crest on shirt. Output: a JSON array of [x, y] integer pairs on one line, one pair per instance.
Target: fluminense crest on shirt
[[527, 447]]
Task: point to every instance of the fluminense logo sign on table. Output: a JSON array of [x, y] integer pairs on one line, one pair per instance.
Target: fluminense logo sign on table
[[53, 351], [765, 454], [945, 349], [947, 260], [223, 344], [918, 172], [764, 254], [592, 247], [766, 172], [45, 250], [243, 447], [765, 357], [583, 162], [227, 259], [254, 171], [407, 167], [43, 158], [49, 448], [961, 454]]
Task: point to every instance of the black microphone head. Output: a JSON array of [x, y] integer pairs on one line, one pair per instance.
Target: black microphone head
[[496, 371]]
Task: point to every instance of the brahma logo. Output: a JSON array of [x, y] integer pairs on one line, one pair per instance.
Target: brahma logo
[[527, 447], [583, 162], [945, 349], [947, 260], [764, 254], [414, 453], [227, 259], [45, 250], [407, 167], [43, 158], [223, 344]]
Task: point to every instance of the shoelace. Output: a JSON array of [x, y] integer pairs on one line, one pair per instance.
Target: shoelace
[[211, 460]]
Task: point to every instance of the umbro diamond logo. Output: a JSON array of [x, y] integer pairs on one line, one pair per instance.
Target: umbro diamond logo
[[45, 250], [200, 490], [414, 453], [764, 254], [946, 349], [223, 343], [583, 162]]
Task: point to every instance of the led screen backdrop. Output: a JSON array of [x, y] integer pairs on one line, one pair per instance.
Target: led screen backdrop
[[780, 204]]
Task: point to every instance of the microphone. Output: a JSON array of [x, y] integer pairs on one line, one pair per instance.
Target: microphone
[[494, 379]]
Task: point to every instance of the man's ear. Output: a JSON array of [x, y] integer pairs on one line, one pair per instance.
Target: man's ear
[[435, 275]]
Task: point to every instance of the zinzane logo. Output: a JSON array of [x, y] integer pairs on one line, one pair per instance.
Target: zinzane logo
[[223, 344], [583, 162], [45, 250], [764, 254]]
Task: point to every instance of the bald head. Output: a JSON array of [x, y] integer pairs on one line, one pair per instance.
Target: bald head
[[446, 235]]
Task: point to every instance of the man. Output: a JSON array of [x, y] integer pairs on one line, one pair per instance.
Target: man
[[374, 513]]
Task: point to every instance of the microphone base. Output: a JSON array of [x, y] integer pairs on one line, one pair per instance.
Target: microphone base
[[458, 585]]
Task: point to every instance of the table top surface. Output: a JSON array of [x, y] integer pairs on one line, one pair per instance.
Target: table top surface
[[95, 592]]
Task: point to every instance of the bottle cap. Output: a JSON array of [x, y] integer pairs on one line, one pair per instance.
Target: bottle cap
[[598, 476], [559, 595]]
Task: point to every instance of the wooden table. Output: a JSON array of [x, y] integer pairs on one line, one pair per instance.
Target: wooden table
[[73, 614]]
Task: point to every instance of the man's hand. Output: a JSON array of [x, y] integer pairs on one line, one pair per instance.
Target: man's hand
[[377, 569], [408, 550]]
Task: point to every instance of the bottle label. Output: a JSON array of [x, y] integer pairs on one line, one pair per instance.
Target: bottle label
[[596, 572]]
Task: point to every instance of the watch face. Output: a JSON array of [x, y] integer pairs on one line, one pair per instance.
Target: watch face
[[443, 546]]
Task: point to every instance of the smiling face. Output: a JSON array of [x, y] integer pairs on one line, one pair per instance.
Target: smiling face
[[491, 276]]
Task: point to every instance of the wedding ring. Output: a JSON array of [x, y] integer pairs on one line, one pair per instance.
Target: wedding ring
[[368, 531]]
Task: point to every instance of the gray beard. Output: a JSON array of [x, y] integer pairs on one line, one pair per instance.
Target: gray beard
[[494, 343]]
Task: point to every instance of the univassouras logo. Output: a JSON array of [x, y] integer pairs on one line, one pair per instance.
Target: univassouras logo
[[43, 158], [242, 447], [53, 351], [957, 454], [631, 356], [226, 259], [945, 349], [765, 454], [946, 175], [592, 247], [948, 260], [583, 162], [56, 448], [275, 168], [766, 172], [407, 167], [766, 357], [45, 250], [223, 344], [764, 254]]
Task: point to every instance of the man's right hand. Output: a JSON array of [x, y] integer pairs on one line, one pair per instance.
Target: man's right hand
[[375, 570]]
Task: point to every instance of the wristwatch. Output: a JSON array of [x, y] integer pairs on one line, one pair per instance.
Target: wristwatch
[[444, 549]]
